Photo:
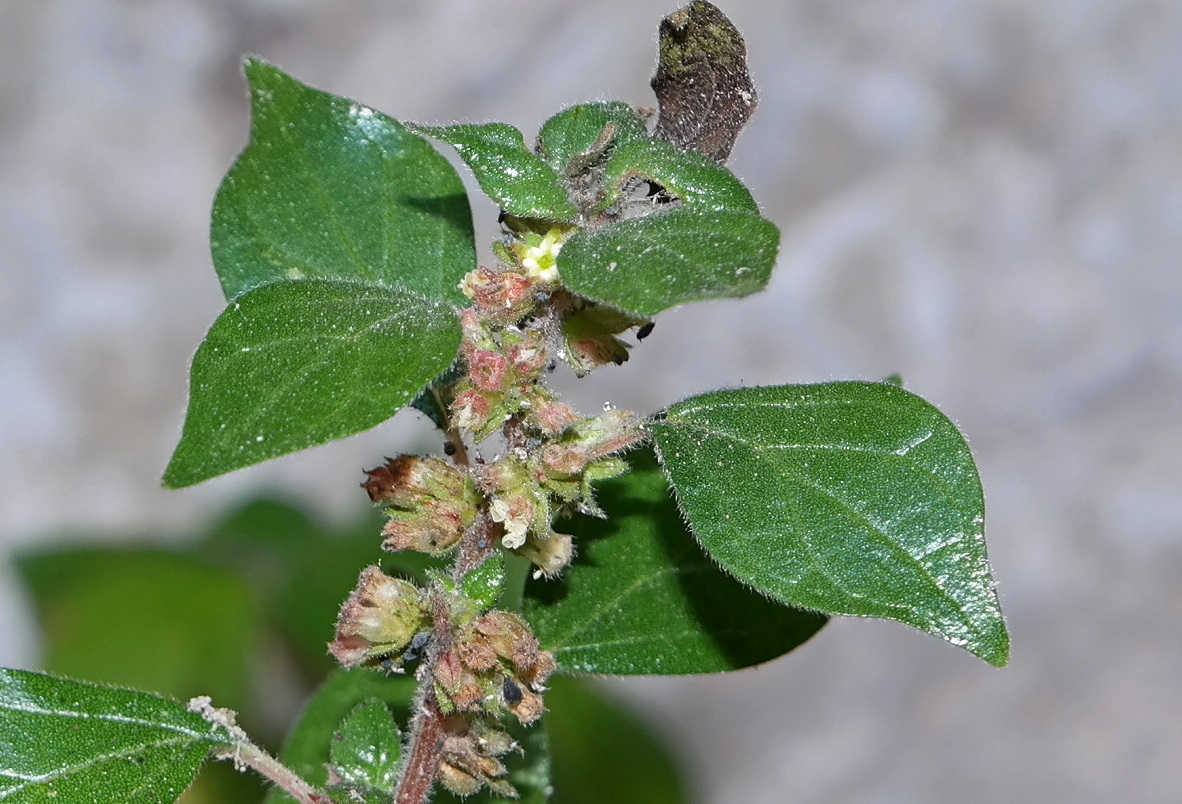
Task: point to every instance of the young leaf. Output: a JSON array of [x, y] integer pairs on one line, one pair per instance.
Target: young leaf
[[295, 364], [508, 172], [646, 265], [704, 91], [848, 498], [332, 189], [71, 742], [365, 752], [691, 176], [576, 133], [642, 598]]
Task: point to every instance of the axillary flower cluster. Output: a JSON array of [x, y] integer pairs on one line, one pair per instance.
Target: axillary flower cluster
[[476, 663]]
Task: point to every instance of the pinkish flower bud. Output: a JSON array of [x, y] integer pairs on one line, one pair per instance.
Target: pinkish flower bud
[[487, 370], [422, 532], [471, 410], [380, 618], [553, 416], [502, 297]]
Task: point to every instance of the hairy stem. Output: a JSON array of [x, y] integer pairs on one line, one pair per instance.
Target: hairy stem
[[426, 749], [425, 746], [245, 754]]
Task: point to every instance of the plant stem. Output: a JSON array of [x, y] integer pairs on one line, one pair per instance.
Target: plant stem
[[425, 746], [426, 749], [245, 754]]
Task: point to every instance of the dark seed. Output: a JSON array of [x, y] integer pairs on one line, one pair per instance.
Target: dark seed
[[511, 691]]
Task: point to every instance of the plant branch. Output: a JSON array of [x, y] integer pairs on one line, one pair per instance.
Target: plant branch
[[245, 754]]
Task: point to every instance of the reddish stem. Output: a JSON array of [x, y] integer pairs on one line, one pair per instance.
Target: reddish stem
[[426, 749]]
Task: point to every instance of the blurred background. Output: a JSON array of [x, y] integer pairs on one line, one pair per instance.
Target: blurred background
[[982, 195]]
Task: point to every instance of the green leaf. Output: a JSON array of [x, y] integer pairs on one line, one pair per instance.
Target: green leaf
[[486, 583], [365, 752], [646, 265], [150, 619], [332, 189], [74, 743], [642, 598], [307, 748], [694, 178], [295, 364], [576, 132], [589, 732], [847, 498], [509, 173]]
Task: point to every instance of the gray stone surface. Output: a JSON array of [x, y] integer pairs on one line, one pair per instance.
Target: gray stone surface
[[984, 196]]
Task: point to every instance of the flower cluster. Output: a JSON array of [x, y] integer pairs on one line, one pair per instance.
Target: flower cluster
[[430, 502], [527, 489]]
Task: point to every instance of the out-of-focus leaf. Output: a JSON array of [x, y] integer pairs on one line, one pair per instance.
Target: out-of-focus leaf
[[145, 618], [590, 732]]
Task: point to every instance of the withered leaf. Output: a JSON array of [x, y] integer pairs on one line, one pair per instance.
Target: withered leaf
[[704, 91]]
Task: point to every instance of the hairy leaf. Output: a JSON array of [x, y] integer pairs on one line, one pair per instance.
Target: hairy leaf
[[569, 140], [646, 265], [703, 88], [365, 751], [332, 189], [694, 178], [74, 743], [847, 498], [295, 364], [508, 172], [642, 598]]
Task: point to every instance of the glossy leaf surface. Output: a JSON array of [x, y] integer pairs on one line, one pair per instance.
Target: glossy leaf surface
[[295, 364], [365, 751], [642, 597], [328, 188], [693, 177], [847, 498], [74, 743], [575, 131], [508, 172], [646, 265]]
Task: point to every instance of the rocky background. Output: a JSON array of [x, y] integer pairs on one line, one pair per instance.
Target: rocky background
[[983, 195]]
